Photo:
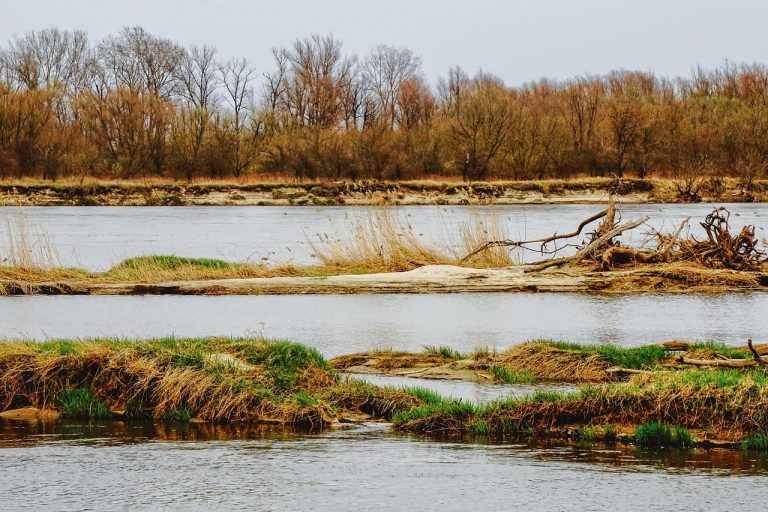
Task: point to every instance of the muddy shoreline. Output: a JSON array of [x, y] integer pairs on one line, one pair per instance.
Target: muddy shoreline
[[668, 278], [371, 193]]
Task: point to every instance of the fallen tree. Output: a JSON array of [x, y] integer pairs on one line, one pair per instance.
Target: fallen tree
[[720, 249]]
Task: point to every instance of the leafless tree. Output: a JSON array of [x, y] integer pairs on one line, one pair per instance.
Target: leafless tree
[[384, 71], [139, 61], [43, 58]]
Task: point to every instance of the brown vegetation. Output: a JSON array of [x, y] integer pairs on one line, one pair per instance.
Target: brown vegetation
[[211, 380], [135, 105]]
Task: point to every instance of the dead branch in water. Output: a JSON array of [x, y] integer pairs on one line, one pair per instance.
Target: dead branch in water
[[591, 249], [542, 241]]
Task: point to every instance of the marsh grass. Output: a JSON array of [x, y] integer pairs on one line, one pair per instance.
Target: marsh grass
[[81, 403], [727, 404], [214, 379]]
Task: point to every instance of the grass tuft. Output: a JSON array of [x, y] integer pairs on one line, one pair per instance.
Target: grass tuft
[[443, 351], [81, 403], [757, 441], [505, 375]]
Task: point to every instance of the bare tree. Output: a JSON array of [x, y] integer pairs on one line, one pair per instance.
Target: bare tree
[[236, 76], [384, 71], [42, 58], [139, 61], [482, 125], [197, 73], [317, 79]]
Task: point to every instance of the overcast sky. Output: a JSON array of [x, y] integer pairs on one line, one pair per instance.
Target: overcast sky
[[518, 40]]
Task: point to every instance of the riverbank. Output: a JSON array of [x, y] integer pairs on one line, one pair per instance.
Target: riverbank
[[659, 277], [376, 193], [543, 361], [253, 381]]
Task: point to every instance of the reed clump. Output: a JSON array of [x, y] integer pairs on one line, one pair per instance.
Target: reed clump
[[385, 241]]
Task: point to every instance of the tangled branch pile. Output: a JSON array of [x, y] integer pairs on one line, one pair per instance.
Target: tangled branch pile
[[720, 250]]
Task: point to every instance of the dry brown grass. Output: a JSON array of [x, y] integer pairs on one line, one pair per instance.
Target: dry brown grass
[[159, 378], [390, 360], [24, 245], [385, 241], [546, 362]]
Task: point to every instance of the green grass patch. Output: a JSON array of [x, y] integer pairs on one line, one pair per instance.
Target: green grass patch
[[757, 442], [427, 396], [502, 374], [178, 414], [169, 262], [443, 351], [658, 435], [285, 360], [81, 403], [460, 411], [587, 433]]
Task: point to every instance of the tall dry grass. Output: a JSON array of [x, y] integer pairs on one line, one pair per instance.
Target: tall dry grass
[[384, 240], [24, 245]]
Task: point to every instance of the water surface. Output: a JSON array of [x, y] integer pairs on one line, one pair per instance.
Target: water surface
[[342, 324], [97, 237], [115, 466]]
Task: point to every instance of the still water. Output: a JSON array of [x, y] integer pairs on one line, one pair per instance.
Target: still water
[[117, 466], [97, 237], [342, 324]]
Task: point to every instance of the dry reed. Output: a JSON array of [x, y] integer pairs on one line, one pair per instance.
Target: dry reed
[[383, 240], [23, 245]]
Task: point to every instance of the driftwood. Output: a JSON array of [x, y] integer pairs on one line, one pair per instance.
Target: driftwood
[[591, 249], [685, 346], [542, 241], [720, 250], [757, 359]]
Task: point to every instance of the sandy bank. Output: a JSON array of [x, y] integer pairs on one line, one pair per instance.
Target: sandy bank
[[431, 279], [368, 192]]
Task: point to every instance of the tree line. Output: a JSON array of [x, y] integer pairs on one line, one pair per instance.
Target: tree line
[[136, 105]]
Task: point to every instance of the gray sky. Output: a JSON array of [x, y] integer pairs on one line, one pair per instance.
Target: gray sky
[[518, 40]]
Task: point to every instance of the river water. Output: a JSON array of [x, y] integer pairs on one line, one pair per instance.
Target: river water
[[116, 466], [342, 324], [145, 466], [97, 237]]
